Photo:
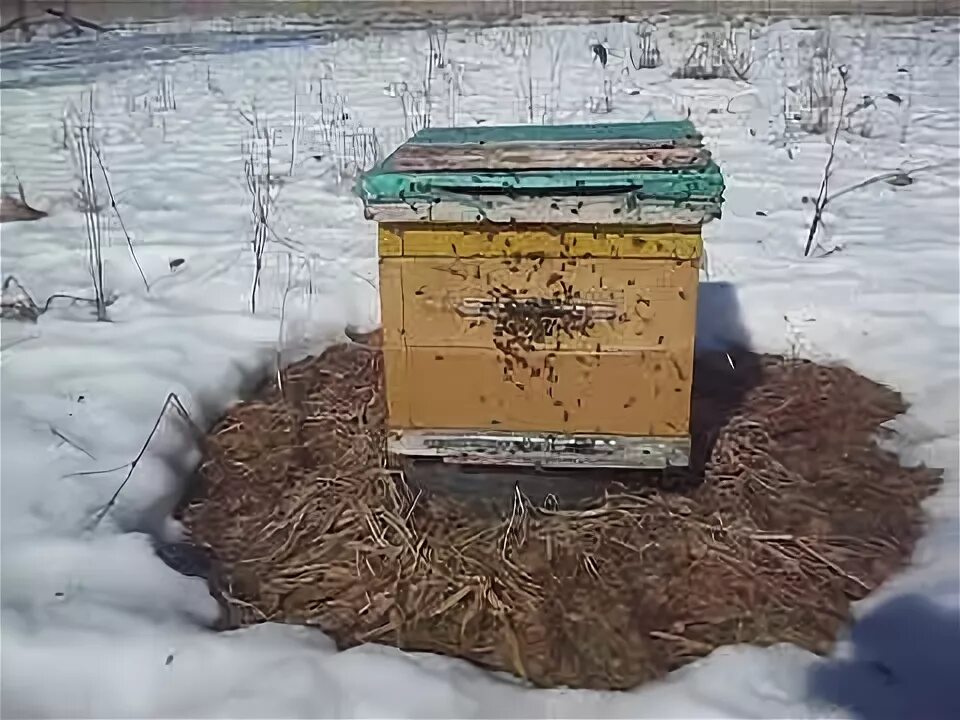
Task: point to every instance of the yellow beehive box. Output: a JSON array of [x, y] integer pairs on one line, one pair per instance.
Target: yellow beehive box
[[543, 315]]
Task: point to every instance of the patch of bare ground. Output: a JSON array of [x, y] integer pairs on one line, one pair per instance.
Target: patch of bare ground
[[793, 513]]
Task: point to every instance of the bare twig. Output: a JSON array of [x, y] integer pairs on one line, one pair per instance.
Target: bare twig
[[718, 54], [695, 645], [72, 443], [647, 47], [82, 147], [832, 565], [16, 22], [75, 22], [171, 401], [283, 317], [823, 194], [886, 176], [113, 204], [26, 308], [740, 67], [75, 26], [824, 198], [294, 134], [259, 185]]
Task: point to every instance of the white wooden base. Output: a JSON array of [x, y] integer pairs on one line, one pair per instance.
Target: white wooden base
[[541, 450]]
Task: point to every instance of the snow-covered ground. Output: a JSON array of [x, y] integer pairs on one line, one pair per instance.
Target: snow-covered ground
[[95, 625]]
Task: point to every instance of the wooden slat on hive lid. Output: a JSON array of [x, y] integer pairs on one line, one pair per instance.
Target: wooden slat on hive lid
[[553, 209], [590, 155], [666, 134]]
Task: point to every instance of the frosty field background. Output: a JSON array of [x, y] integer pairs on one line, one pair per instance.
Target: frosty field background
[[94, 624]]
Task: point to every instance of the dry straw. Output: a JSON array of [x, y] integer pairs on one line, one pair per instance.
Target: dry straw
[[795, 513]]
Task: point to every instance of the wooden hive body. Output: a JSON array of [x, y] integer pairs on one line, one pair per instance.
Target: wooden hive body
[[540, 284]]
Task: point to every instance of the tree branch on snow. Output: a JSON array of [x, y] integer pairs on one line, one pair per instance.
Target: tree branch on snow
[[258, 171], [172, 401], [719, 54], [116, 210], [20, 305], [72, 443], [81, 146], [15, 23], [75, 22], [893, 177], [647, 48], [50, 16], [17, 303], [823, 195]]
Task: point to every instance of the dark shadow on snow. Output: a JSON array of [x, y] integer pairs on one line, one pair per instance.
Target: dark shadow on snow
[[725, 370], [906, 664], [719, 319]]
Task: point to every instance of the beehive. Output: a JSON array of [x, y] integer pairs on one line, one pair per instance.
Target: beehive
[[538, 290]]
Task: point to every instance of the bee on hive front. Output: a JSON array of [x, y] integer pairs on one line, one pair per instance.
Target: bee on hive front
[[533, 278]]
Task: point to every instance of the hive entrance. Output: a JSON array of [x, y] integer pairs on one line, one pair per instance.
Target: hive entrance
[[798, 513]]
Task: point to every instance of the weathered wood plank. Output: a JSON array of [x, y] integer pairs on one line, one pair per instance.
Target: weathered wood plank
[[669, 133], [603, 209], [542, 156], [596, 305], [569, 241], [397, 384], [631, 393], [391, 302], [538, 449]]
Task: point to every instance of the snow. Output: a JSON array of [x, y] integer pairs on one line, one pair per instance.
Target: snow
[[94, 624]]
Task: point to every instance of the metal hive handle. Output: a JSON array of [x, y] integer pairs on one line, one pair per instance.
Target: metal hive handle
[[545, 307]]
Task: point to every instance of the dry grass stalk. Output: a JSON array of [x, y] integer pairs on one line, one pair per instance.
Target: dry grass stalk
[[17, 304], [262, 187], [798, 513]]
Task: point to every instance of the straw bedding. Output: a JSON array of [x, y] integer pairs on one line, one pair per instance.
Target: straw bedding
[[791, 512]]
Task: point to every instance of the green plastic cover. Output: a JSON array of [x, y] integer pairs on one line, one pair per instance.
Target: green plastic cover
[[383, 184]]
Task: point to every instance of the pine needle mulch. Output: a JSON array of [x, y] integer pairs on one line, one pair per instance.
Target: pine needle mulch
[[795, 513]]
